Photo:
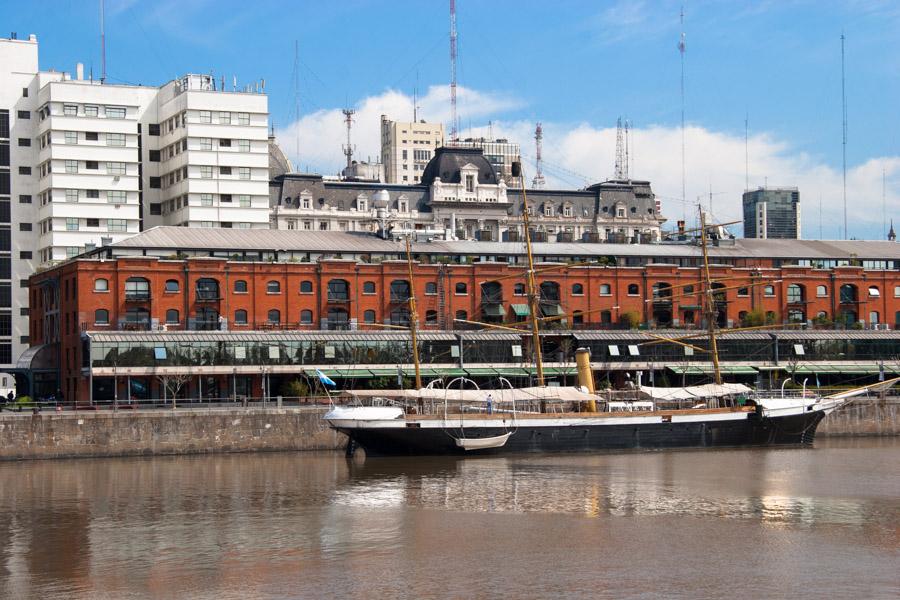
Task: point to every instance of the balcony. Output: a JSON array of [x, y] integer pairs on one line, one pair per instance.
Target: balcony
[[208, 296], [338, 299], [399, 298], [137, 295]]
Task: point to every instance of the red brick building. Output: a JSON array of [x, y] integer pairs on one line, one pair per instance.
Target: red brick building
[[341, 281]]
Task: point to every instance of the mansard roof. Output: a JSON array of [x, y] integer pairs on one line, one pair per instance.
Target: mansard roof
[[448, 160]]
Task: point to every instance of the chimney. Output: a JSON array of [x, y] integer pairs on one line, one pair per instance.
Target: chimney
[[79, 71]]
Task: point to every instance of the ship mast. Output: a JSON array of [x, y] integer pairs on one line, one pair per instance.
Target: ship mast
[[413, 316], [710, 302], [532, 293]]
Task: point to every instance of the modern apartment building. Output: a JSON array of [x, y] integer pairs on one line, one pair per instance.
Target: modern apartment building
[[501, 153], [772, 213], [85, 163], [407, 147]]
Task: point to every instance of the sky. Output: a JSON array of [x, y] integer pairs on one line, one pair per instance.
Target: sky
[[770, 70]]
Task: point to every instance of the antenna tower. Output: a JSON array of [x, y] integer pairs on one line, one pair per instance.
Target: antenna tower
[[296, 78], [454, 123], [102, 42], [844, 107], [621, 166], [348, 147], [538, 181], [681, 48], [747, 152], [627, 158]]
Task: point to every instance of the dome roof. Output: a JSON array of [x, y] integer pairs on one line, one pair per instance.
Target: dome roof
[[279, 164], [448, 161]]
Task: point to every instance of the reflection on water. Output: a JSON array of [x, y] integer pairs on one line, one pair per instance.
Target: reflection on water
[[311, 525]]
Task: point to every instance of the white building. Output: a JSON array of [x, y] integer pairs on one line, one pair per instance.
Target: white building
[[85, 163], [407, 147]]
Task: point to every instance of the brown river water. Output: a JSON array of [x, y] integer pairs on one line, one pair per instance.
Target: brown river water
[[762, 523]]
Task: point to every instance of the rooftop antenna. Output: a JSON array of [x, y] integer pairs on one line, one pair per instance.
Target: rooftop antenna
[[296, 81], [102, 42], [348, 148], [681, 48], [627, 158], [621, 171], [883, 205], [538, 181], [416, 99], [844, 105], [747, 152], [454, 124]]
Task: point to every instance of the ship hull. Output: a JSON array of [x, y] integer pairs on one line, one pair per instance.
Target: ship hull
[[753, 430]]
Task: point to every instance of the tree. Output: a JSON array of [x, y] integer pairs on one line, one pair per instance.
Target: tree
[[754, 318], [172, 383], [630, 319]]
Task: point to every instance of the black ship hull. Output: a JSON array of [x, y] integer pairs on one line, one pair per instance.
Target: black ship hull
[[791, 430]]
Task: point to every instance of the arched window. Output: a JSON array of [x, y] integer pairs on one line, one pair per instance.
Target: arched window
[[662, 291], [795, 293], [577, 318], [240, 286], [101, 316], [399, 290], [742, 317], [605, 317], [848, 317], [491, 292], [369, 287], [577, 289], [137, 288], [172, 317], [207, 319], [605, 289], [240, 317], [431, 317], [400, 317], [462, 315], [821, 291], [274, 316], [550, 291], [461, 289], [689, 317], [874, 292], [101, 285], [137, 318], [519, 289], [873, 317], [338, 289], [431, 288], [273, 287], [338, 318], [796, 316], [306, 287], [633, 289], [306, 317], [207, 289], [848, 293], [172, 285], [897, 319], [369, 316], [769, 290]]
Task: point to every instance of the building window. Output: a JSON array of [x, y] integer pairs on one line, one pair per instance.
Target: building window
[[461, 289], [369, 316], [244, 145], [205, 143], [172, 317], [243, 118], [794, 293], [577, 289], [205, 116], [72, 224], [71, 195], [306, 287], [172, 286], [24, 114], [115, 168], [274, 316], [117, 225], [874, 292], [462, 315], [605, 289], [70, 110], [633, 289], [91, 165], [240, 317], [273, 287], [224, 170], [71, 166], [431, 288], [240, 286], [567, 211], [91, 110], [769, 290], [94, 194], [369, 287], [116, 197], [821, 291], [114, 112], [24, 170], [743, 292], [206, 172], [244, 200], [71, 137], [225, 118], [206, 199], [519, 289], [306, 317], [470, 183], [115, 139], [244, 173], [101, 285], [101, 316]]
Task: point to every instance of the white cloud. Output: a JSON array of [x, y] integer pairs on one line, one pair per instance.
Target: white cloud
[[579, 153]]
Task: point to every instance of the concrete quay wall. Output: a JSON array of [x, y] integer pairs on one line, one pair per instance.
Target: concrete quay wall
[[866, 417], [155, 432]]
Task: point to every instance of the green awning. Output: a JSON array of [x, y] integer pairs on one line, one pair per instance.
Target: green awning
[[555, 370], [708, 370], [494, 310], [482, 372], [383, 372], [520, 310], [511, 372], [690, 307]]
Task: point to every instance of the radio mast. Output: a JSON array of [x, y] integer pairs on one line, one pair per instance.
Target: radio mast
[[454, 123], [348, 147], [538, 181]]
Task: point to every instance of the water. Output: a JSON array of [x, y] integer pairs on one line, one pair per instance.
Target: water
[[822, 522]]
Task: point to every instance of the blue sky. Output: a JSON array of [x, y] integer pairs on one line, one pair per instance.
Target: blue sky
[[574, 65]]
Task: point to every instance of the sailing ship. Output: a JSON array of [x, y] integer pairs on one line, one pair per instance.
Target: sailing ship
[[449, 421]]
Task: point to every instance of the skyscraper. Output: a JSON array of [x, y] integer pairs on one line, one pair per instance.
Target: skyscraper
[[772, 213]]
